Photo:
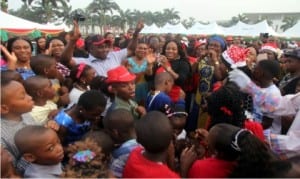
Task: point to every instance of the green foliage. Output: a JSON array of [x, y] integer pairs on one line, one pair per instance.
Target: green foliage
[[288, 23]]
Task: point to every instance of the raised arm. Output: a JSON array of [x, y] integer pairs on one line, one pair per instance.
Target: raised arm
[[66, 57], [133, 43]]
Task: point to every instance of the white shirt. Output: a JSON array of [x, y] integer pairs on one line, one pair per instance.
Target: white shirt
[[112, 60]]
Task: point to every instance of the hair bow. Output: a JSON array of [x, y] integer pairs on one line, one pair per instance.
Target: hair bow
[[84, 156]]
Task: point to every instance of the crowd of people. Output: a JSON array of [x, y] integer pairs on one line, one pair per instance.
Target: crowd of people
[[149, 106]]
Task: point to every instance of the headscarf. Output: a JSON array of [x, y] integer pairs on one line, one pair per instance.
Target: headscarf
[[218, 39]]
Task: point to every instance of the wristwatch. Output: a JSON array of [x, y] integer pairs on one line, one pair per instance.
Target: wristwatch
[[217, 63]]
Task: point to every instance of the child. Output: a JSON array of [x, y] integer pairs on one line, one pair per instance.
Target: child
[[79, 119], [226, 106], [103, 140], [177, 116], [45, 65], [15, 102], [233, 156], [12, 75], [82, 76], [41, 91], [42, 148], [120, 126], [15, 105], [86, 160], [158, 99], [7, 168], [123, 86], [154, 133], [98, 83]]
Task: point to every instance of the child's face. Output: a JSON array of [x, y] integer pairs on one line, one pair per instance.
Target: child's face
[[16, 100], [178, 122], [52, 72], [169, 85], [90, 75], [257, 72], [48, 150], [47, 91], [125, 90], [92, 115]]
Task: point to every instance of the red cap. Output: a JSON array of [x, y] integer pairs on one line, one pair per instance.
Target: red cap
[[119, 74]]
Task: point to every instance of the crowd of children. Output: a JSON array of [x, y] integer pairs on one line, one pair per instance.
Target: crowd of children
[[208, 109]]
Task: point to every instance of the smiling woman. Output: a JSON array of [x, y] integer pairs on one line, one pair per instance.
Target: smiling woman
[[18, 54]]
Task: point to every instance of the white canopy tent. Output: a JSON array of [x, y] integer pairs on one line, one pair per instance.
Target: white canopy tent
[[242, 29], [174, 29], [152, 29], [293, 31], [15, 24]]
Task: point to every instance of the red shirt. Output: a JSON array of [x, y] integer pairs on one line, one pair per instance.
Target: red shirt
[[137, 166], [211, 168]]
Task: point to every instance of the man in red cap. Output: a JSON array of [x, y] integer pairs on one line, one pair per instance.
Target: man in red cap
[[100, 56]]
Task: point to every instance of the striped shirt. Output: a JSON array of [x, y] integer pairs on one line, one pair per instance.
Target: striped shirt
[[8, 130], [112, 60]]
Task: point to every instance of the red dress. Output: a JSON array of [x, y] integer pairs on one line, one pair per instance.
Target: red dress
[[137, 166]]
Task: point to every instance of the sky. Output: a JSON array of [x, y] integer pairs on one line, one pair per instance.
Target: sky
[[203, 10]]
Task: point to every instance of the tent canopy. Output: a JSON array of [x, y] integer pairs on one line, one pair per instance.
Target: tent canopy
[[293, 31], [18, 25]]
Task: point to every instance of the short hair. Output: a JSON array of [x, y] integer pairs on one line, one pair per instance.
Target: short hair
[[11, 75], [34, 84], [40, 62], [102, 139], [25, 137], [161, 78], [4, 84], [120, 119], [91, 99], [270, 67], [154, 132]]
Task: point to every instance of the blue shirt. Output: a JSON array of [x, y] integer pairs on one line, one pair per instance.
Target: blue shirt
[[157, 101], [25, 73], [74, 131], [120, 156]]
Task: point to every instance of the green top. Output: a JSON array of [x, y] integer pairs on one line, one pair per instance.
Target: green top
[[129, 105]]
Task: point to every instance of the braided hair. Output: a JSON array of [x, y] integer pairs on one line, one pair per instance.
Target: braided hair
[[97, 167], [226, 106]]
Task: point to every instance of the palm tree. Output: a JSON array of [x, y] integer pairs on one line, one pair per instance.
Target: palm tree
[[47, 2], [4, 5], [288, 23], [171, 16], [101, 8], [159, 19], [188, 23], [49, 12], [119, 20]]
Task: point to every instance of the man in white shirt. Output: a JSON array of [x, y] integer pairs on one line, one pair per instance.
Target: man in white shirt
[[100, 56]]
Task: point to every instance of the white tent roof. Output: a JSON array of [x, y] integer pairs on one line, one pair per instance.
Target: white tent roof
[[293, 31], [12, 22], [174, 29], [242, 29], [152, 29]]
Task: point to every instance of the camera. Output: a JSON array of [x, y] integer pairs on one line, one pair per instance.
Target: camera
[[78, 16]]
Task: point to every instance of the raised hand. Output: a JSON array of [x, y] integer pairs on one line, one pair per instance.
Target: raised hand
[[76, 32], [139, 26], [11, 58]]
